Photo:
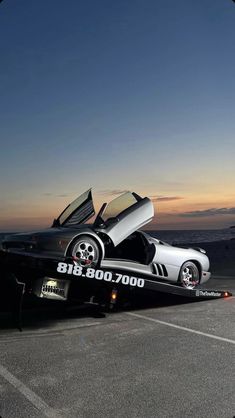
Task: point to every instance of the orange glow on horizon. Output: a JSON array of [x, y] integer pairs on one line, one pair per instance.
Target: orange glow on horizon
[[39, 213]]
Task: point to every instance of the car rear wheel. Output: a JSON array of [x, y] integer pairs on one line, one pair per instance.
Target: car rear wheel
[[189, 276], [85, 252]]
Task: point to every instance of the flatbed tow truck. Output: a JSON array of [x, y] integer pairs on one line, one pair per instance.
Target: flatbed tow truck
[[48, 279], [103, 262]]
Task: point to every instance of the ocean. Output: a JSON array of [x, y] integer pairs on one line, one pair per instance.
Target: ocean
[[186, 236], [193, 236]]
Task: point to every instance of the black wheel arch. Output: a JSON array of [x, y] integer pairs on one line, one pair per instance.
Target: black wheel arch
[[97, 240], [196, 262]]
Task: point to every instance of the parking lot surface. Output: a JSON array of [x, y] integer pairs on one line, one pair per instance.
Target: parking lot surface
[[167, 358]]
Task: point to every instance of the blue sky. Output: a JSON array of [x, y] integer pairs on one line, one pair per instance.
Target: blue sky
[[135, 95]]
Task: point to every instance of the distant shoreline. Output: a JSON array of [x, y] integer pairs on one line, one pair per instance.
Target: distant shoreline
[[177, 237]]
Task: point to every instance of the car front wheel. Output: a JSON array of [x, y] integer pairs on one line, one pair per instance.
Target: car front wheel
[[189, 276], [85, 252]]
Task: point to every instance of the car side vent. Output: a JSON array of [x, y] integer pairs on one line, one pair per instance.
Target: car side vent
[[160, 270], [164, 270]]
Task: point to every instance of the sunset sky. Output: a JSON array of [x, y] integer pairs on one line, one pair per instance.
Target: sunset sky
[[119, 95]]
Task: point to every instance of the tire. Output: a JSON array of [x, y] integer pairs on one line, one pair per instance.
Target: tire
[[85, 252], [189, 276]]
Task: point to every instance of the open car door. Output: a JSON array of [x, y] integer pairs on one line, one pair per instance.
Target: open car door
[[77, 212], [124, 215]]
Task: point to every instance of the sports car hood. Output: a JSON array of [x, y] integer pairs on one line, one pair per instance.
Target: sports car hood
[[51, 239]]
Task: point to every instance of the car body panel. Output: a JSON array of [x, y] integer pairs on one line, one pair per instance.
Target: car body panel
[[175, 256], [129, 220], [128, 266]]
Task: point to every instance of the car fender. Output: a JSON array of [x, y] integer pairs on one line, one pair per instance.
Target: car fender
[[90, 233], [175, 256]]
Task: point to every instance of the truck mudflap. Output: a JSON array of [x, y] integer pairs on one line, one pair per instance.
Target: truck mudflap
[[13, 293], [17, 309]]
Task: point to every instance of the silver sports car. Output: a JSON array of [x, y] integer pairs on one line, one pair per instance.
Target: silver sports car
[[112, 242]]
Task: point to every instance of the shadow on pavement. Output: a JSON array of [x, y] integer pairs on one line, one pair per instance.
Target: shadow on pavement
[[45, 314]]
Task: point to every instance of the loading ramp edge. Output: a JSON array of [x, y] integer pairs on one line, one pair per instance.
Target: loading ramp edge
[[198, 292]]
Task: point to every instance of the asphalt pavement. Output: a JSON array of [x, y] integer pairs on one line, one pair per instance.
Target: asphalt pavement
[[164, 358]]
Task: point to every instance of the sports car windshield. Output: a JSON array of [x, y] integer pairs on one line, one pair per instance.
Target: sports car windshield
[[118, 205]]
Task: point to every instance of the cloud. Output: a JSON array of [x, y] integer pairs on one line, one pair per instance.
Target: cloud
[[208, 212], [55, 195], [112, 192], [153, 198], [62, 195], [165, 198]]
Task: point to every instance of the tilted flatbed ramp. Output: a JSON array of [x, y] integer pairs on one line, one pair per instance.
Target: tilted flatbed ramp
[[154, 283], [122, 277], [112, 273], [198, 293], [54, 277]]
